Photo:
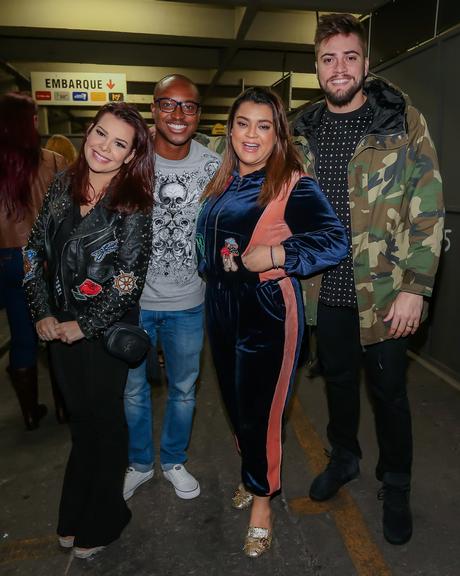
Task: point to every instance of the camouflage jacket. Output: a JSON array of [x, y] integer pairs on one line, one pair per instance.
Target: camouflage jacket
[[215, 143], [396, 205]]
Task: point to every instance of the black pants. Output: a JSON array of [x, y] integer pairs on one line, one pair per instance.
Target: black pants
[[385, 364], [92, 507]]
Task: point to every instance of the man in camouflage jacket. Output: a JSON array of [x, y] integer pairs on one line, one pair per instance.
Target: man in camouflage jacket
[[391, 203]]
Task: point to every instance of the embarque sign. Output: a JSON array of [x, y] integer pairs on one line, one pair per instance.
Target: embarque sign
[[77, 89]]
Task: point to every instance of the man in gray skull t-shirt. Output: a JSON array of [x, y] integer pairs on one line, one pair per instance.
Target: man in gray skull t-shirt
[[172, 308], [172, 281]]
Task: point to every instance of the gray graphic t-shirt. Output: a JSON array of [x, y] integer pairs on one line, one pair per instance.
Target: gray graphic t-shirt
[[172, 281]]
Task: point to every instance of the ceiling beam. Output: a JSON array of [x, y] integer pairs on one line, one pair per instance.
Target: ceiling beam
[[22, 81], [354, 6], [30, 33], [246, 21]]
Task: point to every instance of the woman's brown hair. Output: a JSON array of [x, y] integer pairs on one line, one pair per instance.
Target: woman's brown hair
[[283, 161], [131, 189], [20, 153]]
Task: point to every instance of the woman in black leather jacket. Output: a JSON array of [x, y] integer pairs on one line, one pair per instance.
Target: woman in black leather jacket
[[85, 265]]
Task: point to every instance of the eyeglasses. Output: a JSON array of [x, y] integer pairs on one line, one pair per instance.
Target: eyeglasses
[[169, 105]]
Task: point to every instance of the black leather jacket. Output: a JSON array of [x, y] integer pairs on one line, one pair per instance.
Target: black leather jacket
[[98, 274]]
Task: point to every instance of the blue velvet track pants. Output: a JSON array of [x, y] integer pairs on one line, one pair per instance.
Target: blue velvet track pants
[[255, 331]]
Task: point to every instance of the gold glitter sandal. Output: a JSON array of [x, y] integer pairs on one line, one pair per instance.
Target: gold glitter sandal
[[258, 541], [242, 499]]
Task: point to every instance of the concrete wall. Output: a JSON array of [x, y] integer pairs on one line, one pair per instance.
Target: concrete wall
[[429, 75]]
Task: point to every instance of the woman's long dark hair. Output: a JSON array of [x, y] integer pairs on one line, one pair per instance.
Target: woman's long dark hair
[[19, 152], [131, 189], [283, 161]]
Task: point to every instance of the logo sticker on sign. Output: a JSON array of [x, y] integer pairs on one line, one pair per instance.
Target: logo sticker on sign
[[98, 96], [80, 96], [42, 95], [62, 96]]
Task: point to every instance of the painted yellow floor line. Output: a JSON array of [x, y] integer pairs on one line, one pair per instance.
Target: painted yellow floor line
[[363, 551], [28, 549]]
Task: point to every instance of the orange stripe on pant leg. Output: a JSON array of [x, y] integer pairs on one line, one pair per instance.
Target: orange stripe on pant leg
[[291, 329]]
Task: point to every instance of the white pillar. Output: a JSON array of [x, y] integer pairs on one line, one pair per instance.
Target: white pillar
[[43, 126]]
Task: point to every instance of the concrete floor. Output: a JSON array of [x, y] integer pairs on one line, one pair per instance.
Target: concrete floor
[[203, 537]]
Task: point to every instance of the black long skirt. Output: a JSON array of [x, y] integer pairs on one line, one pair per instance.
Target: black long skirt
[[92, 506]]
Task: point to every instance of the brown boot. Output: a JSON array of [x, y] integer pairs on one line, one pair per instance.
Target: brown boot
[[25, 384]]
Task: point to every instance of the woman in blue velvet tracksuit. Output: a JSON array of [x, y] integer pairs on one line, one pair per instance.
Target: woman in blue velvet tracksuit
[[262, 225]]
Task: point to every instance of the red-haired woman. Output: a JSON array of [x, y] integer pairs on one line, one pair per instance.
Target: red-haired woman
[[263, 225], [86, 261], [26, 172]]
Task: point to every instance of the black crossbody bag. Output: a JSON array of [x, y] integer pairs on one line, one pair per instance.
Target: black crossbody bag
[[127, 342]]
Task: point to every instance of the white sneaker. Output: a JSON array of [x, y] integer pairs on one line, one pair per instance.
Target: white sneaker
[[87, 552], [133, 479], [185, 485]]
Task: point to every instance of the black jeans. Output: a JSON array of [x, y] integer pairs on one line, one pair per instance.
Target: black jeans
[[385, 363], [92, 382]]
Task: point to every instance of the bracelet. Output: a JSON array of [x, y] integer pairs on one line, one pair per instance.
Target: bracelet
[[273, 260]]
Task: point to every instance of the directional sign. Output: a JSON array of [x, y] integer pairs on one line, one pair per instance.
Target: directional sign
[[77, 89]]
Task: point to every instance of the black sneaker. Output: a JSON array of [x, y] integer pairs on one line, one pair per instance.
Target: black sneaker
[[343, 466], [397, 517]]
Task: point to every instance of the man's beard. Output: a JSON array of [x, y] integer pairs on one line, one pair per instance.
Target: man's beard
[[342, 98]]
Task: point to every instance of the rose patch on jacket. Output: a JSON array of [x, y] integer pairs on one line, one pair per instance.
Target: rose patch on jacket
[[87, 289], [125, 282]]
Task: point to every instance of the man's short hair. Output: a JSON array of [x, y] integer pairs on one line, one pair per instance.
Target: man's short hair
[[179, 77], [332, 24]]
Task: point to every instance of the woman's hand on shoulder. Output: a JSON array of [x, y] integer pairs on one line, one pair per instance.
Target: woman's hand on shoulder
[[46, 328], [69, 332]]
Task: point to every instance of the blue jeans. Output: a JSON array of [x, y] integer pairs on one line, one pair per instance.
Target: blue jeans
[[181, 336], [23, 345]]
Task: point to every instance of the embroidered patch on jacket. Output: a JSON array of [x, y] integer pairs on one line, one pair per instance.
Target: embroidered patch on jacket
[[76, 294], [105, 249], [199, 239], [228, 253], [125, 282], [57, 286], [29, 258], [89, 288]]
